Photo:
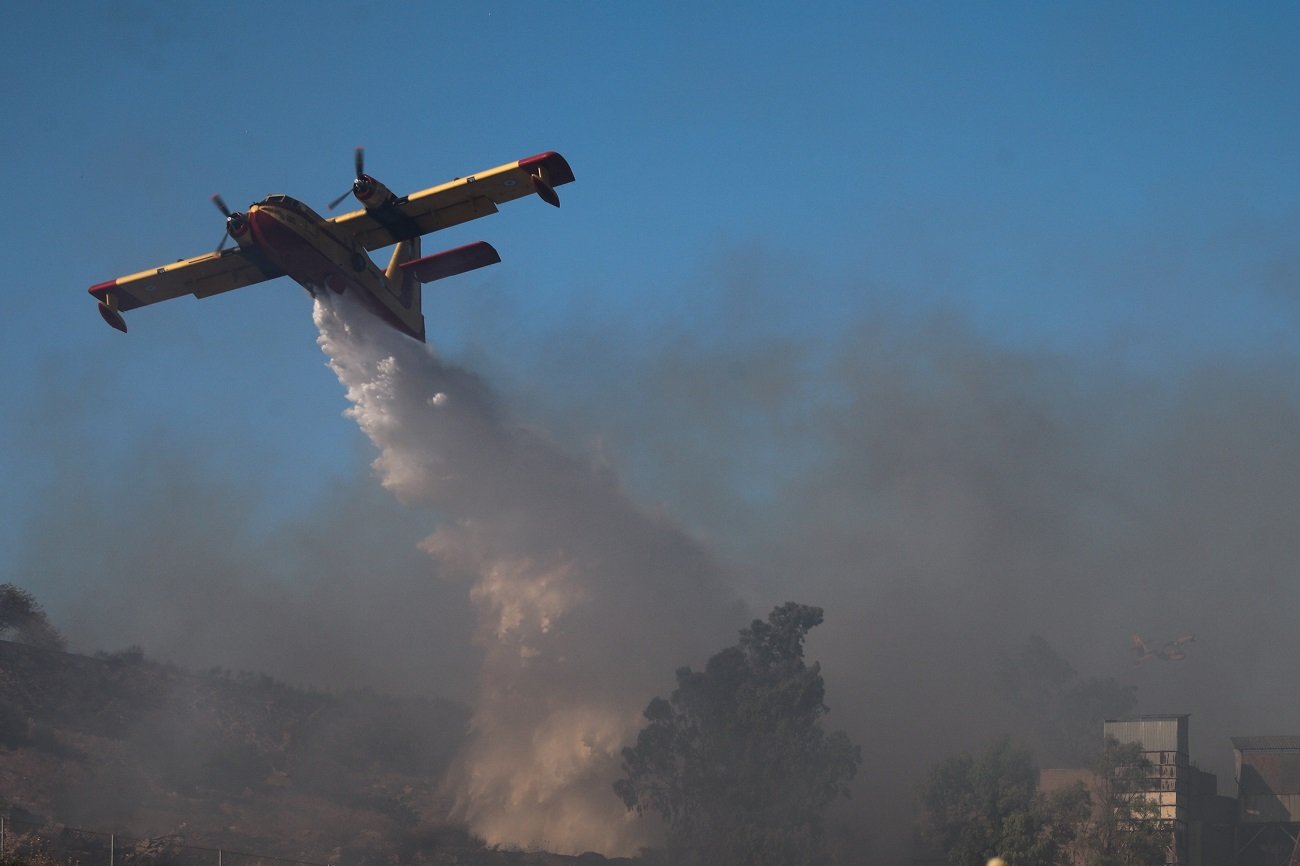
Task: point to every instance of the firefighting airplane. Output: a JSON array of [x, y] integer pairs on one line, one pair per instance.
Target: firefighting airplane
[[280, 235], [1170, 652]]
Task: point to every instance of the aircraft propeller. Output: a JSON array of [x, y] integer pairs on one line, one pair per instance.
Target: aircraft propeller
[[362, 185], [236, 222]]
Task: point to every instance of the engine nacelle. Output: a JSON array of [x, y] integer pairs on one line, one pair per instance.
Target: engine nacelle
[[371, 192], [238, 228]]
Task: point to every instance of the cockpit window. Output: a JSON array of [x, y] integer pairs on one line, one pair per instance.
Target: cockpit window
[[292, 204]]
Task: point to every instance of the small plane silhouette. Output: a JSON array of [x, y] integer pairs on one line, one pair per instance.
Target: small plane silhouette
[[1170, 652]]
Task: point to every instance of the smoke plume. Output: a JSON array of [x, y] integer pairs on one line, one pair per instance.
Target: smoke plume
[[945, 497], [942, 496], [585, 603]]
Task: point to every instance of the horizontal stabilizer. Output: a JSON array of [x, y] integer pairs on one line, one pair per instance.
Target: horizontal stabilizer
[[452, 262]]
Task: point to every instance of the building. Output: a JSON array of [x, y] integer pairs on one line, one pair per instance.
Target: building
[[1169, 782], [1258, 827], [1268, 800], [1211, 821], [1200, 821]]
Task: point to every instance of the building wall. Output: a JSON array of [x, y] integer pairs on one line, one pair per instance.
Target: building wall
[[1164, 743], [1268, 799], [1268, 779]]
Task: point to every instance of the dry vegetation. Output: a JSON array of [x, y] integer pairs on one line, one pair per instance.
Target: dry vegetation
[[227, 760]]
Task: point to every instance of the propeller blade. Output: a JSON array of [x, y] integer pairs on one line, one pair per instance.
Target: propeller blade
[[336, 201], [359, 163], [225, 211]]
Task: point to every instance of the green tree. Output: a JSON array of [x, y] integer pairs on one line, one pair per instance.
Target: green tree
[[1126, 829], [735, 761], [23, 621], [978, 807]]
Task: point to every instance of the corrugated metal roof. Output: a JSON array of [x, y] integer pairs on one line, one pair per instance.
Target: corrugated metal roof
[[1243, 744], [1154, 733]]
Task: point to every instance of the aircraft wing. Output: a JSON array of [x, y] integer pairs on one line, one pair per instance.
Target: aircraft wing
[[202, 276], [458, 201]]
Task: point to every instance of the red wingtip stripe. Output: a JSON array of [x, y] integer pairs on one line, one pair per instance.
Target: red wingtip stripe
[[557, 167], [99, 290]]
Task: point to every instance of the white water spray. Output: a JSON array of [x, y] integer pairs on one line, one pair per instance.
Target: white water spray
[[586, 603]]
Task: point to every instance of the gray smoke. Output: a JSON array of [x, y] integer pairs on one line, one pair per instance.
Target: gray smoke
[[945, 498], [151, 542], [942, 496]]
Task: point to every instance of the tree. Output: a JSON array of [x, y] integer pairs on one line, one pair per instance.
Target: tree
[[1126, 829], [1062, 712], [23, 621], [989, 806], [735, 761]]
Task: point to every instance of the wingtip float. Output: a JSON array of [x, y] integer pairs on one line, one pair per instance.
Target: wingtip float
[[280, 236], [103, 292]]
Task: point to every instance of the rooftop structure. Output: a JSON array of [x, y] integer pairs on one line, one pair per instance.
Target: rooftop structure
[[1164, 743], [1268, 799]]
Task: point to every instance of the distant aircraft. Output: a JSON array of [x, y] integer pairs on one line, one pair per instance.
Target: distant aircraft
[[1170, 652], [280, 235]]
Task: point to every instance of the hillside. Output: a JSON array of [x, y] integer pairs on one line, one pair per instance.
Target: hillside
[[233, 761]]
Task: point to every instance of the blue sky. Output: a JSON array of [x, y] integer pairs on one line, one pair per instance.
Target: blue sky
[[1105, 180]]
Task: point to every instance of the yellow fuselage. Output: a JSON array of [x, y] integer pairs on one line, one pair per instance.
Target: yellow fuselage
[[319, 256]]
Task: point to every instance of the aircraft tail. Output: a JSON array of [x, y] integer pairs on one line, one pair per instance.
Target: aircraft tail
[[404, 285], [407, 270]]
